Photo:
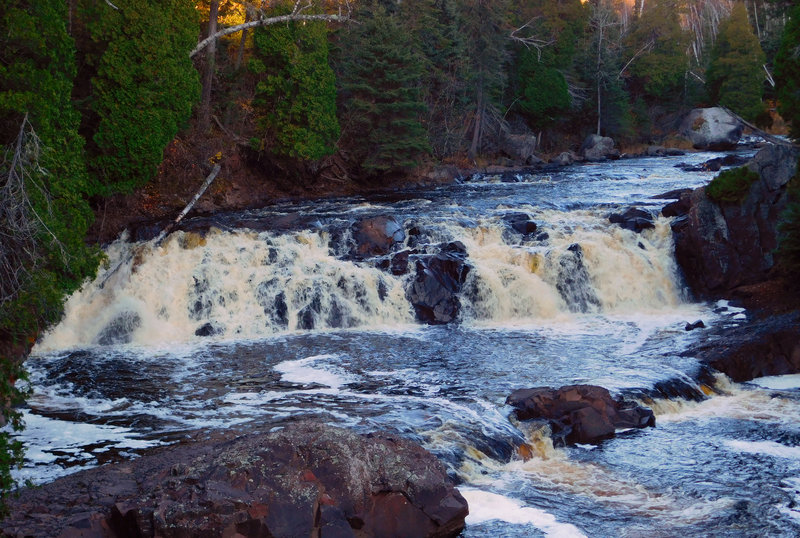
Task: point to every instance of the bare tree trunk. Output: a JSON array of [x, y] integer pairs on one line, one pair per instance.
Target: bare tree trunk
[[476, 131], [204, 117], [240, 52]]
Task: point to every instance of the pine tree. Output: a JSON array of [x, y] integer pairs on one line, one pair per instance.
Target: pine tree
[[43, 184], [541, 90], [380, 79], [787, 73], [296, 96], [657, 47], [143, 89], [735, 77]]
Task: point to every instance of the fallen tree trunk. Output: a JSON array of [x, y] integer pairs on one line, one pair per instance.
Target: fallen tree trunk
[[766, 136], [167, 229]]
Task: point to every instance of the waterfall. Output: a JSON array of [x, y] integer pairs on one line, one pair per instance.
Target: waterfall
[[242, 284]]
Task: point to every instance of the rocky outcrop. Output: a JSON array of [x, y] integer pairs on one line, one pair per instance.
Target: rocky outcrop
[[439, 280], [308, 479], [711, 128], [579, 413], [598, 148], [721, 246], [574, 283], [760, 348], [377, 236]]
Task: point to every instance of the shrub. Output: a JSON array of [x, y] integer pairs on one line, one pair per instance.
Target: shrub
[[731, 185]]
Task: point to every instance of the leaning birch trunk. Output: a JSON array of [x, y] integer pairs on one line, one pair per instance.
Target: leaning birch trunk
[[171, 226], [766, 136]]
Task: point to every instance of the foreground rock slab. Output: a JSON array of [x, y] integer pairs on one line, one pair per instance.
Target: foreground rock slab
[[579, 413], [308, 479]]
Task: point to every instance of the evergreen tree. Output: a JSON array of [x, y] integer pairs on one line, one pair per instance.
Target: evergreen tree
[[296, 96], [787, 73], [657, 46], [735, 76], [541, 89], [143, 89], [381, 74], [436, 28], [43, 184], [485, 27]]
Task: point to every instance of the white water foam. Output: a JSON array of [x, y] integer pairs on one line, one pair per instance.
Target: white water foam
[[48, 440], [791, 486], [767, 448], [485, 506], [304, 372], [778, 382]]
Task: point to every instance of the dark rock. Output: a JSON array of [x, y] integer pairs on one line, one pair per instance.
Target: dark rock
[[520, 223], [633, 219], [696, 325], [521, 149], [574, 284], [565, 159], [119, 330], [676, 194], [760, 348], [678, 208], [308, 479], [721, 246], [711, 128], [208, 329], [377, 236], [439, 279], [598, 148], [579, 413], [399, 264]]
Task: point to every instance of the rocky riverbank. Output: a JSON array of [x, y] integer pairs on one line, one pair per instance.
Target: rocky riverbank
[[307, 479]]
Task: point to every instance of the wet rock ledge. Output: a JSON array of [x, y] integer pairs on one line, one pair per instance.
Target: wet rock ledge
[[308, 479]]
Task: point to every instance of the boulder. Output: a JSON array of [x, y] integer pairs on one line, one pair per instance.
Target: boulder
[[696, 325], [633, 219], [520, 223], [565, 159], [307, 479], [712, 129], [438, 282], [598, 148], [377, 236], [579, 413], [721, 246], [521, 149]]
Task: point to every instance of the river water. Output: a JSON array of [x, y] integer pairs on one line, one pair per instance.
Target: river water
[[297, 328]]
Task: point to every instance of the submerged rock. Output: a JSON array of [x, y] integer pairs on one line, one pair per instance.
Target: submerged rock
[[520, 223], [633, 219], [574, 283], [308, 479], [579, 413]]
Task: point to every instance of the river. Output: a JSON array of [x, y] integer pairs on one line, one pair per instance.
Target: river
[[295, 327]]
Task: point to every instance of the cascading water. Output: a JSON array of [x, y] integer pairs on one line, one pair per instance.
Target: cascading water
[[251, 320]]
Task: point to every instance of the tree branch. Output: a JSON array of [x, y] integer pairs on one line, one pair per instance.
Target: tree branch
[[295, 15]]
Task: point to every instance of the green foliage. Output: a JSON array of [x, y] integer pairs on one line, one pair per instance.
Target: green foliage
[[735, 76], [787, 73], [44, 214], [658, 44], [789, 229], [144, 88], [541, 90], [731, 185], [296, 96], [381, 74]]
